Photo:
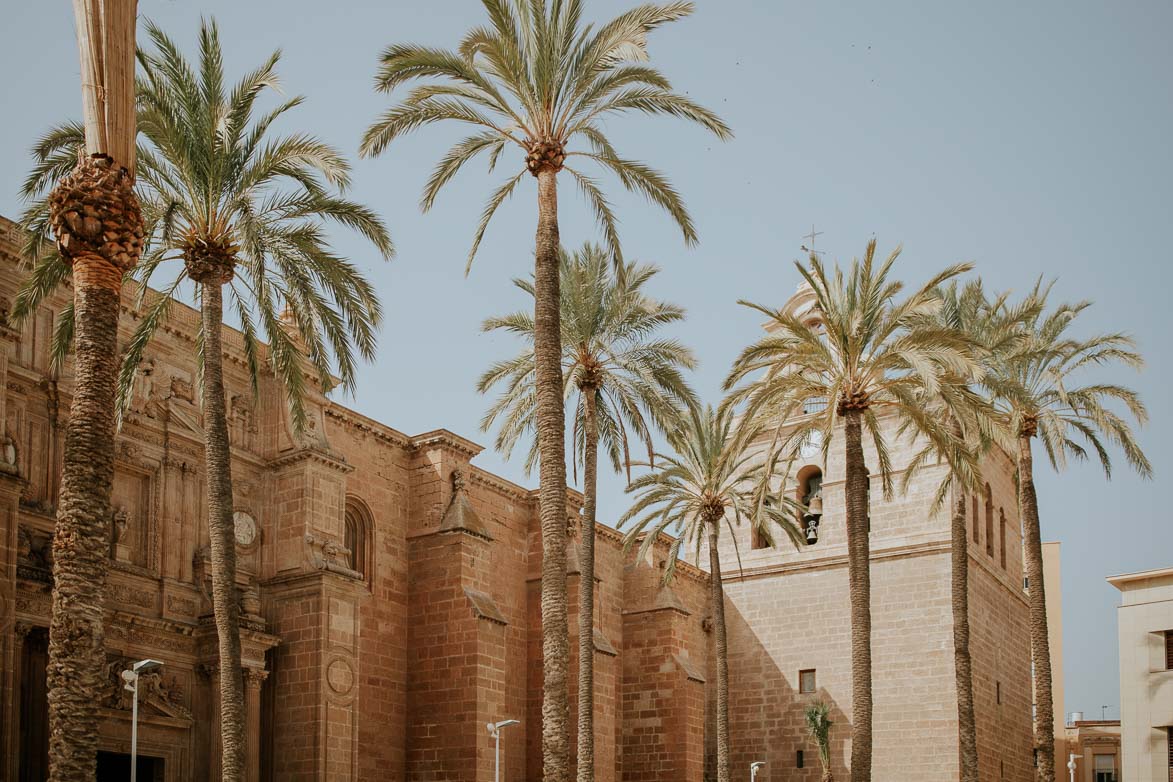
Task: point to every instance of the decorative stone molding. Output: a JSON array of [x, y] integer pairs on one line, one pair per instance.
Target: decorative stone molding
[[158, 690], [603, 645], [460, 515], [328, 554], [484, 607]]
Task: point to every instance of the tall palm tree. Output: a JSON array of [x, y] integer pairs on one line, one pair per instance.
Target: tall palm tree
[[244, 213], [97, 222], [818, 725], [624, 379], [710, 482], [1038, 388], [872, 356], [976, 426], [537, 79]]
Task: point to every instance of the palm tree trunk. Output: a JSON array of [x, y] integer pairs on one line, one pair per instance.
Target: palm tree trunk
[[552, 490], [218, 461], [859, 576], [81, 543], [100, 250], [718, 598], [962, 662], [1039, 643], [586, 593]]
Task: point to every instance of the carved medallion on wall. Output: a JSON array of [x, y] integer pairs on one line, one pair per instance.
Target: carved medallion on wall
[[245, 528], [340, 676]]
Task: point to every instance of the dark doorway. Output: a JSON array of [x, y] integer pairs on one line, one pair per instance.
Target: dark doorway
[[34, 707], [115, 767]]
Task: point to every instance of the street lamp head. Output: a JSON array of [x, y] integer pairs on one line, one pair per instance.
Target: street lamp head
[[756, 765], [494, 727], [146, 666]]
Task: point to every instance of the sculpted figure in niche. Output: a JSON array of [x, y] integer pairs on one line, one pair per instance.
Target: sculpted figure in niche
[[119, 539], [182, 389], [146, 397]]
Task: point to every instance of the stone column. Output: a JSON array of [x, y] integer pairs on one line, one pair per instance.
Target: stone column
[[253, 680], [11, 738], [212, 672], [12, 633]]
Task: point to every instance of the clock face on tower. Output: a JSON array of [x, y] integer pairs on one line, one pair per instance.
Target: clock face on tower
[[245, 527], [812, 444]]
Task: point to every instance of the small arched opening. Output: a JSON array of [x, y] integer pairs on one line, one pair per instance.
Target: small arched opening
[[358, 529]]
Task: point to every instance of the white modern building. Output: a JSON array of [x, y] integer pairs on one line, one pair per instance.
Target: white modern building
[[1145, 621]]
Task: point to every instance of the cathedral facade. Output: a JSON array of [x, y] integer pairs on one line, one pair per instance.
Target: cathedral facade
[[390, 603]]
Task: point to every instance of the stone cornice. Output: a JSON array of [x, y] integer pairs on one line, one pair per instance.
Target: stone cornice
[[359, 422], [442, 438], [501, 485], [311, 454]]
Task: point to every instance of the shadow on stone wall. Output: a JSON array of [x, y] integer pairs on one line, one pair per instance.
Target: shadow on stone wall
[[766, 713]]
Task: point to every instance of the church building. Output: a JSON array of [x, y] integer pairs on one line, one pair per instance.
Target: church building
[[389, 590]]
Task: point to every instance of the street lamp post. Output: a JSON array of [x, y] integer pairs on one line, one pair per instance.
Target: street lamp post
[[753, 769], [131, 676], [495, 732], [1071, 767]]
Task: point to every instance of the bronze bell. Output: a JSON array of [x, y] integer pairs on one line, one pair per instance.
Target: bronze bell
[[815, 506]]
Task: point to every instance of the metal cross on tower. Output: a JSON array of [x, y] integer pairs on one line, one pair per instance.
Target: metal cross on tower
[[811, 238]]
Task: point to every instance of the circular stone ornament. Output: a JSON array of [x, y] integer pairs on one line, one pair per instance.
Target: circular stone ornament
[[245, 528]]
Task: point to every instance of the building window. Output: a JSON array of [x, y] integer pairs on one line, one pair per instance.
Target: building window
[[814, 404], [998, 693], [357, 532], [1104, 767], [1169, 650], [799, 760], [989, 522], [757, 539], [1002, 535], [977, 537], [806, 681]]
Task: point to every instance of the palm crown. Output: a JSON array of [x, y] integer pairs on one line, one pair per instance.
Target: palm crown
[[1035, 386], [708, 482], [609, 348], [227, 199], [538, 79], [861, 349]]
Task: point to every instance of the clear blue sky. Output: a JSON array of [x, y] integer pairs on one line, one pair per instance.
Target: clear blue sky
[[1031, 138]]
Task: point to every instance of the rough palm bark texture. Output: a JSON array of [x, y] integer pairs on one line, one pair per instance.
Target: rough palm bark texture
[[1039, 643], [552, 492], [98, 225], [586, 592], [859, 577], [962, 662], [722, 654], [218, 462]]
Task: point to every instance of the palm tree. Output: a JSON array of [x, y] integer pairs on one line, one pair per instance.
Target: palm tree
[[245, 213], [976, 426], [1038, 388], [625, 379], [710, 482], [96, 219], [872, 356], [539, 80], [818, 725]]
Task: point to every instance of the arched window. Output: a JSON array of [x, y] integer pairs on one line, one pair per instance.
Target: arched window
[[1002, 535], [357, 535], [977, 524], [757, 538], [989, 521]]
